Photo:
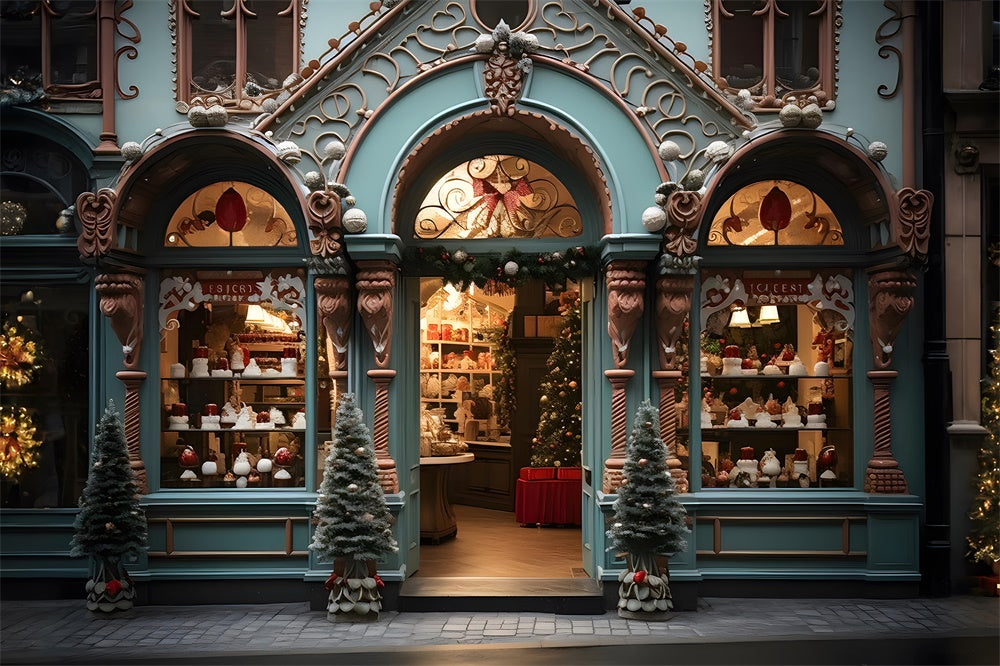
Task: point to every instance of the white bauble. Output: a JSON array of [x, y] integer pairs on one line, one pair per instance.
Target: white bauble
[[790, 115], [718, 151], [877, 151], [669, 151], [511, 268], [335, 149], [654, 219], [694, 180], [197, 116], [217, 115], [241, 468], [485, 44], [314, 180], [812, 116], [241, 482], [355, 221], [209, 468], [289, 152], [264, 465], [131, 151]]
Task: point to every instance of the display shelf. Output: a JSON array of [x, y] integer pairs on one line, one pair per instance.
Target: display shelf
[[777, 377], [243, 380]]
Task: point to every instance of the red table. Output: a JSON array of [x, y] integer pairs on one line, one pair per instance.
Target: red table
[[548, 502]]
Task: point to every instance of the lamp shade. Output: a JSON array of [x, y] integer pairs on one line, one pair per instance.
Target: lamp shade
[[768, 315], [231, 211], [740, 319]]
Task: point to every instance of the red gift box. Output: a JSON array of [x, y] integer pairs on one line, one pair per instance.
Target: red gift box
[[569, 473], [538, 473]]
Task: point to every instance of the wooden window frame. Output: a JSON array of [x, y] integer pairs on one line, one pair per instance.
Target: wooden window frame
[[825, 88], [241, 102]]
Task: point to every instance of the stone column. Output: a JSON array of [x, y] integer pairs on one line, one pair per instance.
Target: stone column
[[375, 282], [883, 474], [626, 283]]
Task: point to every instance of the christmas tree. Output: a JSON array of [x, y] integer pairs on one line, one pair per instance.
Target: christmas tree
[[649, 520], [504, 362], [111, 524], [984, 536], [557, 440], [354, 524]]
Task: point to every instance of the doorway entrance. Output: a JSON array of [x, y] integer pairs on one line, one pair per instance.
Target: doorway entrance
[[493, 364]]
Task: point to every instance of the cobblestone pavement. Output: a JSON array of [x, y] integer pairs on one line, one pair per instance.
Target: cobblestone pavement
[[34, 631]]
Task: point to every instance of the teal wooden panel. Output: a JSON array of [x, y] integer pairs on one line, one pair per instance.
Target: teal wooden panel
[[220, 536], [895, 543], [778, 536]]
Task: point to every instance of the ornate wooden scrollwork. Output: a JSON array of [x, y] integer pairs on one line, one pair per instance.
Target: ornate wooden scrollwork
[[626, 282], [683, 214], [673, 304], [375, 281], [324, 209], [890, 299], [333, 303], [96, 213], [503, 79], [913, 230], [121, 303]]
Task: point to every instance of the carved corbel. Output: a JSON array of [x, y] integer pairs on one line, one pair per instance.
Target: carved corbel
[[96, 213], [683, 214], [335, 309], [324, 210], [375, 282], [626, 283], [673, 304], [913, 230], [121, 302], [890, 299]]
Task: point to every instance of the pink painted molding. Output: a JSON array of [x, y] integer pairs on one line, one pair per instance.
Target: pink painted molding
[[626, 283], [387, 474], [335, 309], [613, 466], [133, 380], [121, 303], [502, 81], [883, 475]]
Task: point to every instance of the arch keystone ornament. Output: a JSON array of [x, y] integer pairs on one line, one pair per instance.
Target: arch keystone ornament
[[375, 282], [890, 294], [121, 302], [626, 283]]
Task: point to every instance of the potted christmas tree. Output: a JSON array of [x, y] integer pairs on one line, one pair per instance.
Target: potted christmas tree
[[557, 441], [649, 521], [111, 524], [354, 526], [984, 535]]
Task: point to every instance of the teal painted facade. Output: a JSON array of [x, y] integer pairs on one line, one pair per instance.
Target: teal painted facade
[[390, 111]]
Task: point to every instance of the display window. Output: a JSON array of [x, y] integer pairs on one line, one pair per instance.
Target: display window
[[232, 367], [776, 383]]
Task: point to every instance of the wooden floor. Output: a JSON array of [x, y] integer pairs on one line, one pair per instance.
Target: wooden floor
[[492, 544]]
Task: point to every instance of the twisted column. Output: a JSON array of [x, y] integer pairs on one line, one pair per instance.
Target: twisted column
[[133, 380], [883, 475], [667, 380], [387, 475], [613, 466]]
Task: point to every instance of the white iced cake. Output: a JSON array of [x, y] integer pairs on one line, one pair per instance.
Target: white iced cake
[[178, 422], [199, 367]]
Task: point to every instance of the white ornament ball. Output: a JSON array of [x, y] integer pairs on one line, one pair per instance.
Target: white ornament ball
[[269, 105], [355, 221], [352, 487], [288, 151], [131, 151], [197, 116], [360, 451], [790, 115], [718, 151], [669, 151], [241, 482], [314, 180], [350, 200], [264, 465], [877, 151], [335, 149], [459, 256], [660, 199], [511, 268], [694, 180], [812, 116], [485, 44], [654, 219], [217, 115], [209, 468]]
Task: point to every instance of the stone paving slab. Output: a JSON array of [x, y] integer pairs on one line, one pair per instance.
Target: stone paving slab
[[32, 629]]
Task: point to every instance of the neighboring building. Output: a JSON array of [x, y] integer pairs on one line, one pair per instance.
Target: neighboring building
[[209, 187]]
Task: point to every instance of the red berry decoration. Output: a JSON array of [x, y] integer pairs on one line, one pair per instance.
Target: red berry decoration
[[331, 581], [775, 211], [639, 577], [781, 384], [733, 391], [378, 581], [113, 587], [283, 456]]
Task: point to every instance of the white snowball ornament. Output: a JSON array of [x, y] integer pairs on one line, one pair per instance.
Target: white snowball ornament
[[217, 115], [131, 151], [314, 180], [718, 151], [812, 116], [877, 151], [269, 105], [288, 152], [790, 115], [654, 219], [485, 44], [352, 487], [335, 149], [355, 221], [241, 482], [459, 256], [264, 465], [511, 268], [694, 180], [360, 451], [669, 151], [197, 116]]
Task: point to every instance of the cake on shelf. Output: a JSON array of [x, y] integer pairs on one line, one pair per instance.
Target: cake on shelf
[[199, 364], [222, 368], [299, 420], [210, 419], [771, 368], [178, 419], [816, 417], [745, 473], [252, 369], [790, 414], [177, 370], [229, 415], [277, 417], [264, 421], [732, 364], [737, 419], [797, 368], [245, 419], [289, 363]]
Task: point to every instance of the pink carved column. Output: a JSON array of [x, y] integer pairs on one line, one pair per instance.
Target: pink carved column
[[673, 303], [375, 282], [890, 299], [333, 303], [121, 301], [626, 283]]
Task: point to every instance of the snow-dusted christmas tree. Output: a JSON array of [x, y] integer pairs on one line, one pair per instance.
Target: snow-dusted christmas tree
[[557, 440], [649, 521], [111, 524], [354, 523], [984, 535]]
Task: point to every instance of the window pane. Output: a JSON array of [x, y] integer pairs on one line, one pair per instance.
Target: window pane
[[73, 33], [796, 44], [55, 395], [271, 36], [20, 38], [28, 206], [775, 212], [213, 47], [742, 47], [261, 221], [498, 196]]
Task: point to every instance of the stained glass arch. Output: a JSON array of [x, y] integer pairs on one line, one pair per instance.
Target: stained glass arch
[[230, 214], [775, 213], [498, 196]]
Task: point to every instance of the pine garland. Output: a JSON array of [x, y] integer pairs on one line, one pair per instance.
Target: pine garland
[[354, 519], [984, 536], [504, 362], [510, 269], [110, 523], [557, 440]]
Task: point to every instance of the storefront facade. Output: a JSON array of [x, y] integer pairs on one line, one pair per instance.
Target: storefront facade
[[261, 251]]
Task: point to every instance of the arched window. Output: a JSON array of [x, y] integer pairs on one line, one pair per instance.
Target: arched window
[[498, 196], [230, 213], [775, 212]]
